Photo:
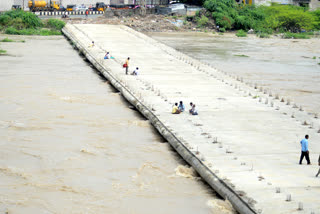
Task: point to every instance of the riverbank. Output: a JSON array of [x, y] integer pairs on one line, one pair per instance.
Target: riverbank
[[166, 23], [232, 114]]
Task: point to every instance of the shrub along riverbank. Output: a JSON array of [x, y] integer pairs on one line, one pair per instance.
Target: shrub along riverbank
[[264, 20], [19, 22]]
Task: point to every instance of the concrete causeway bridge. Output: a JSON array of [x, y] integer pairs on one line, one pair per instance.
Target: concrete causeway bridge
[[245, 140]]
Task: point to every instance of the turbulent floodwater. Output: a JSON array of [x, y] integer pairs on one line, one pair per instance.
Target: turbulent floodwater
[[288, 67], [70, 144]]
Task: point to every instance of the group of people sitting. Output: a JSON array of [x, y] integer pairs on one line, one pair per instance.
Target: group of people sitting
[[177, 109]]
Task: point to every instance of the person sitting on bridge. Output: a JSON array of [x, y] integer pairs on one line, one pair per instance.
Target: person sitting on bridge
[[135, 72], [193, 110], [181, 106], [107, 56], [190, 111], [92, 44], [175, 109]]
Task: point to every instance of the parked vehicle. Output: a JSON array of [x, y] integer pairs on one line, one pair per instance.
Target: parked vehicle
[[16, 7], [43, 6], [100, 6], [71, 7], [81, 8]]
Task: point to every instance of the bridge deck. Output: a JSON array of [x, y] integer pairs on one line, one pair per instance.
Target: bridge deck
[[258, 145]]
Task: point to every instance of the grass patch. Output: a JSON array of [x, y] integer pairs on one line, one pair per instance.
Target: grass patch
[[3, 51], [295, 36], [55, 24], [202, 21], [222, 30], [263, 35], [28, 31], [7, 40], [241, 33], [241, 55], [49, 32], [314, 57], [19, 22]]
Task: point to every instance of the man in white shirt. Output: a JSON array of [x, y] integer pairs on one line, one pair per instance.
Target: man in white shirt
[[135, 72]]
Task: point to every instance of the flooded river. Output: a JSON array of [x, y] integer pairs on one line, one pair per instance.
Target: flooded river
[[71, 144], [285, 66]]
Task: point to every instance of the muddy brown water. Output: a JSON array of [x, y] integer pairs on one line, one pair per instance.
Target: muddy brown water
[[71, 144], [288, 67]]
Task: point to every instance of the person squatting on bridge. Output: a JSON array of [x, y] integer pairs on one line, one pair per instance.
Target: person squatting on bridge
[[175, 109], [107, 56], [126, 65], [304, 150], [92, 44], [181, 106], [319, 168], [135, 72], [193, 109]]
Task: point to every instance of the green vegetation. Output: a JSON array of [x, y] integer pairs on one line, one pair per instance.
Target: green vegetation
[[19, 22], [203, 21], [55, 24], [314, 57], [7, 40], [222, 30], [2, 51], [263, 35], [289, 35], [241, 33], [264, 20]]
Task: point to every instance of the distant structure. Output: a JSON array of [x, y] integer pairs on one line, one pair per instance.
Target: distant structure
[[313, 4], [7, 4]]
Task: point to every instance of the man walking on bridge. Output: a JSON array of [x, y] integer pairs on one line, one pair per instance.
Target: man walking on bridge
[[304, 150]]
